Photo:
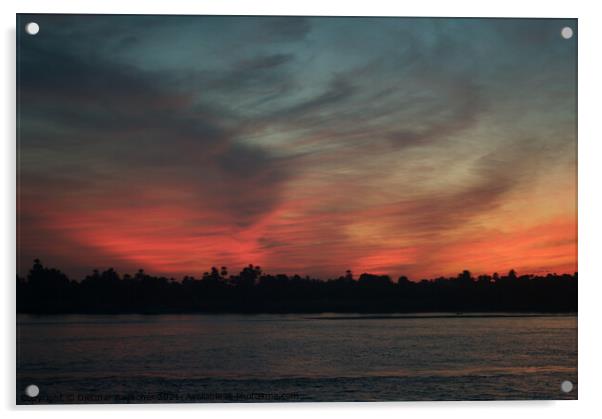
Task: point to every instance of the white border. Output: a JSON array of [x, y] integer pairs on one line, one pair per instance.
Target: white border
[[511, 8], [590, 204]]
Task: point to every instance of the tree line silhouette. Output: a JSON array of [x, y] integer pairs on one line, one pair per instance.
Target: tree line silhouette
[[48, 290]]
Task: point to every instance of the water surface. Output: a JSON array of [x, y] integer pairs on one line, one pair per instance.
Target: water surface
[[329, 357]]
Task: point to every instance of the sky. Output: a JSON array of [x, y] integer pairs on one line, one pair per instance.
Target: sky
[[400, 146]]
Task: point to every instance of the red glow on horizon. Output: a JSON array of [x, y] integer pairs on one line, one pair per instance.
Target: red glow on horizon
[[174, 241]]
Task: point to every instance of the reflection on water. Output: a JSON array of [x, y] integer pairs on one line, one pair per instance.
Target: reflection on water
[[186, 358]]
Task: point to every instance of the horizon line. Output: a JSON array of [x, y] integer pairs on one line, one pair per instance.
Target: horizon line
[[354, 276]]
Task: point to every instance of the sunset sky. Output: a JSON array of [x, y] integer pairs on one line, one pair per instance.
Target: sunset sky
[[304, 145]]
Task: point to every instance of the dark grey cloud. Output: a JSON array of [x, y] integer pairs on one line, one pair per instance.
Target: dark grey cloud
[[337, 92], [261, 75], [284, 29], [133, 123], [456, 110]]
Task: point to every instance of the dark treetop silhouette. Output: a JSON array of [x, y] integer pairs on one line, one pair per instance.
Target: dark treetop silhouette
[[48, 290]]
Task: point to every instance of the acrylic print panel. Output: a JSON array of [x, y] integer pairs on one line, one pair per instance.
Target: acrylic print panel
[[288, 209]]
